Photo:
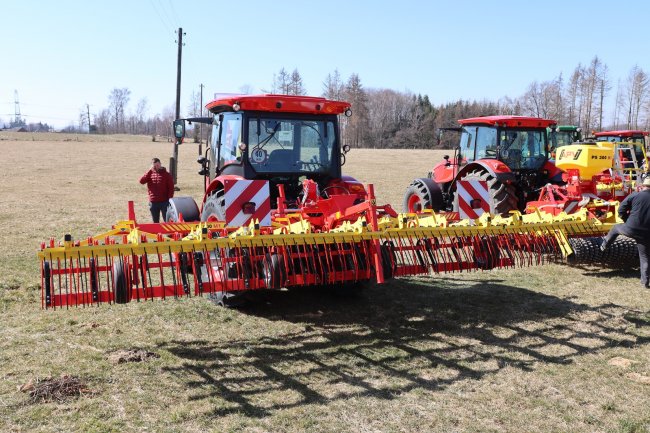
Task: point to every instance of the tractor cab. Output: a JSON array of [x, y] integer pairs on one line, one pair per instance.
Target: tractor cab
[[519, 145], [630, 136], [272, 140], [562, 136]]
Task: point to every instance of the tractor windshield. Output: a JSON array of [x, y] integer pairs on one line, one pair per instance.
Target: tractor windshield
[[297, 145], [523, 149], [564, 138]]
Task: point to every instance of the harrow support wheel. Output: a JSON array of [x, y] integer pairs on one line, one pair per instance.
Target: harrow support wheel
[[121, 283], [422, 194], [503, 197], [182, 205], [273, 273], [488, 255], [228, 299]]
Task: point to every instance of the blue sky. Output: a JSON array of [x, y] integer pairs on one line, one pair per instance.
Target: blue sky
[[61, 55]]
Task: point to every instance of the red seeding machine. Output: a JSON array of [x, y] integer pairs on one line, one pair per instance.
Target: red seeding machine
[[278, 212]]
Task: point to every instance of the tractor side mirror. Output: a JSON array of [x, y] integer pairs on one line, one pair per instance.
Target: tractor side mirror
[[205, 170], [179, 129]]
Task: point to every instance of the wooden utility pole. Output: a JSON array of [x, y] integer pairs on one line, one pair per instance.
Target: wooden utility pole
[[88, 110], [201, 124], [174, 159]]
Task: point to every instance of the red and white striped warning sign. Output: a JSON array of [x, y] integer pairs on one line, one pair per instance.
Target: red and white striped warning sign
[[246, 200], [473, 198]]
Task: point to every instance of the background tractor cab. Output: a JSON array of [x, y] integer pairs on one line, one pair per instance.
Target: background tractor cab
[[499, 162], [629, 155], [274, 140], [628, 135], [563, 136]]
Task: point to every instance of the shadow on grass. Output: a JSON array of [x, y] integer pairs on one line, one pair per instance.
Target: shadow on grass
[[394, 338]]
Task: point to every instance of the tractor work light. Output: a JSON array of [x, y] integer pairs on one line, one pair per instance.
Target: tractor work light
[[236, 106], [348, 112]]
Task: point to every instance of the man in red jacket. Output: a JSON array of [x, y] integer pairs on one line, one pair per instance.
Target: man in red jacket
[[160, 186]]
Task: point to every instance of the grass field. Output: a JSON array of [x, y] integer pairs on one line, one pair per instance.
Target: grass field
[[549, 349]]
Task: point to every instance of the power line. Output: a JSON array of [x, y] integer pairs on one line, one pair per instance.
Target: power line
[[171, 5], [165, 25], [169, 19]]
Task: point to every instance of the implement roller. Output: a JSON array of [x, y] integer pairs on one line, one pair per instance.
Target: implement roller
[[278, 213]]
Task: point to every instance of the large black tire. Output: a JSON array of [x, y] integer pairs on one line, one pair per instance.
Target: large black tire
[[182, 205], [214, 207], [503, 197], [422, 194], [120, 283]]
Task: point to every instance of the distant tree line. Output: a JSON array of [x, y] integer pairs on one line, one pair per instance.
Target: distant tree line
[[386, 118], [29, 127]]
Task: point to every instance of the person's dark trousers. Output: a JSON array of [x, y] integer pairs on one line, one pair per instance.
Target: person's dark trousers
[[614, 232], [156, 208], [644, 249]]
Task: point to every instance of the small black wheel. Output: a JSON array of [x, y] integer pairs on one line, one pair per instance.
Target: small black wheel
[[47, 281], [120, 283], [182, 205]]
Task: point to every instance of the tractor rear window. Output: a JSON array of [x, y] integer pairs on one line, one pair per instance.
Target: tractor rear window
[[290, 145], [616, 139], [523, 149]]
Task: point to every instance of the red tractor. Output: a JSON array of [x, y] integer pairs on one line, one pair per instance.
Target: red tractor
[[499, 164], [260, 142]]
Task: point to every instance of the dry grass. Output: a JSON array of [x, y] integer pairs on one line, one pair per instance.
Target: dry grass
[[509, 350]]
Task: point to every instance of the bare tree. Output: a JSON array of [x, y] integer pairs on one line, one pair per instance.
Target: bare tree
[[333, 87], [140, 112], [118, 99], [635, 96], [246, 89], [296, 86], [356, 125], [281, 83], [573, 96]]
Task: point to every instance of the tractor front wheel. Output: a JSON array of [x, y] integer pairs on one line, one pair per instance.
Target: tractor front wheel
[[503, 197], [214, 208]]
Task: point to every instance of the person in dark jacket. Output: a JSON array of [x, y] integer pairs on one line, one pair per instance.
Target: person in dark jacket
[[160, 186], [634, 210]]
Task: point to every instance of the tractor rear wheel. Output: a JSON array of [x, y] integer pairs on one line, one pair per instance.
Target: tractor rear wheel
[[422, 194], [503, 197], [214, 208]]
